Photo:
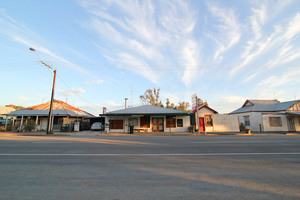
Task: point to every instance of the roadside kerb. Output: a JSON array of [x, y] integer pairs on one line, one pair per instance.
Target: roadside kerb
[[92, 133]]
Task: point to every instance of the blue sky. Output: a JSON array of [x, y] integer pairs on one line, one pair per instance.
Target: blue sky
[[224, 51]]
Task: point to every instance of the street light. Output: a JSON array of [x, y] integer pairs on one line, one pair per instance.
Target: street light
[[52, 95]]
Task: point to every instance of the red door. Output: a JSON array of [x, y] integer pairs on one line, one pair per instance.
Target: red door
[[201, 124], [158, 125]]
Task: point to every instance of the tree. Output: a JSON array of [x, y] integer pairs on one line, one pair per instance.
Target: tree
[[15, 107], [169, 104], [183, 106], [201, 102], [151, 97]]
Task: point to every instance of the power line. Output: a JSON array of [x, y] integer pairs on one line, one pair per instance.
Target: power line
[[77, 93], [114, 67]]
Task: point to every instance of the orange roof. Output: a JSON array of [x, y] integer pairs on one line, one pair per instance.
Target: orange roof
[[57, 105]]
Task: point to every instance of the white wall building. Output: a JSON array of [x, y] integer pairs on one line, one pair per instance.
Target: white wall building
[[211, 121], [148, 118], [269, 115]]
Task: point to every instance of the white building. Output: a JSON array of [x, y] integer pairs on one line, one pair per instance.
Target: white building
[[211, 121], [148, 118], [269, 115], [63, 115]]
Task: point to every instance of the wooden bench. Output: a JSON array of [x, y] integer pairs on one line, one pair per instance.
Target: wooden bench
[[139, 130]]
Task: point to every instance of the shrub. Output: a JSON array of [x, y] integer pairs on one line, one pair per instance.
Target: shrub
[[29, 126], [191, 129], [242, 127]]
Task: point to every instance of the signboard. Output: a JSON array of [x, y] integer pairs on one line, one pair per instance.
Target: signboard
[[194, 102]]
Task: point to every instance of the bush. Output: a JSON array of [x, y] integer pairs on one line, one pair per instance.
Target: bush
[[29, 126], [242, 127], [191, 129]]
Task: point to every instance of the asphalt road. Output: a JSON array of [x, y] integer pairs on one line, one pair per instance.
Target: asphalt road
[[117, 168]]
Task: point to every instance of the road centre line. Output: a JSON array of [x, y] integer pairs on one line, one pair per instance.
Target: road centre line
[[245, 142], [56, 142], [175, 154]]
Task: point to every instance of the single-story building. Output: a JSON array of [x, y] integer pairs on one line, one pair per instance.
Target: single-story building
[[63, 115], [148, 118], [269, 115], [4, 121], [211, 121]]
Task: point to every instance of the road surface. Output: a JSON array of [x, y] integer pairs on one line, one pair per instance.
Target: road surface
[[126, 167]]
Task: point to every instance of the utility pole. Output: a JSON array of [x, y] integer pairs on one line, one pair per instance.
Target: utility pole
[[49, 124], [195, 106]]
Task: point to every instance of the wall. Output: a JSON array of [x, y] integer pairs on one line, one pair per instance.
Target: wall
[[225, 123], [125, 122], [221, 123], [297, 123], [256, 123], [267, 126], [284, 122], [43, 124], [186, 124]]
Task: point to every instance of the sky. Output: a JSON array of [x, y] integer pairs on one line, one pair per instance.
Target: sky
[[104, 51]]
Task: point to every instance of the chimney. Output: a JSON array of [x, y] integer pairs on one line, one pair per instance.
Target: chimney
[[126, 103]]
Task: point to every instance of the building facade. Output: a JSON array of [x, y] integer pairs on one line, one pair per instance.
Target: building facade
[[269, 115], [148, 118], [211, 121], [63, 115]]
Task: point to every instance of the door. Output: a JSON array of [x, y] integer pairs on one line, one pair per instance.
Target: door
[[291, 124], [201, 124], [158, 125]]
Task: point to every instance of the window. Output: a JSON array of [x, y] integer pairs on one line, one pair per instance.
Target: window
[[145, 122], [171, 121], [275, 121], [133, 121], [55, 121], [247, 120], [179, 122], [116, 124], [208, 120]]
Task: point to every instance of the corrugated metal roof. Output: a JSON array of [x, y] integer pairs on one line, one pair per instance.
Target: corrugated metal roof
[[59, 108], [263, 101], [275, 107], [5, 110], [147, 110], [293, 113], [46, 113]]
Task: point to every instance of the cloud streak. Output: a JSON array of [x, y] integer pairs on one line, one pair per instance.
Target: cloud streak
[[278, 39], [227, 30], [146, 37], [71, 92]]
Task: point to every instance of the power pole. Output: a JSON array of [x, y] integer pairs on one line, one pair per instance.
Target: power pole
[[49, 124], [51, 106]]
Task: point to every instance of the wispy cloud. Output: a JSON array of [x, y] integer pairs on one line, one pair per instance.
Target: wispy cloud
[[22, 98], [71, 92], [131, 63], [19, 33], [258, 18], [190, 56], [262, 42], [143, 36], [227, 30], [277, 81], [95, 82]]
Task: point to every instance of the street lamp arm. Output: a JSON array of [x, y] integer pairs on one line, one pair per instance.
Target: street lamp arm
[[32, 49], [47, 65]]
